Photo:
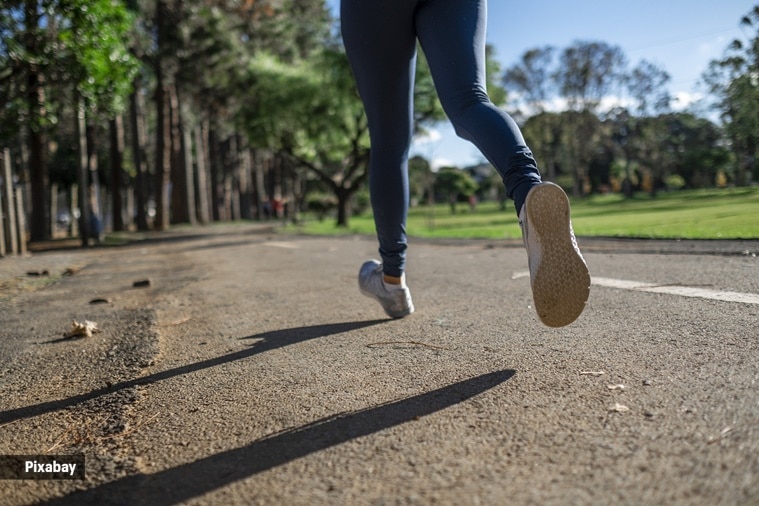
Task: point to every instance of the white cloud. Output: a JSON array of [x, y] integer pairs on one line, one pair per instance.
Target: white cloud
[[684, 99], [610, 102], [430, 136], [437, 163]]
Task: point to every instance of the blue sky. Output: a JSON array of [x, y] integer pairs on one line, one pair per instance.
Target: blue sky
[[681, 36]]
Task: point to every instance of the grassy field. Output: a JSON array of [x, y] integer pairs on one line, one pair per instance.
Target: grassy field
[[689, 214]]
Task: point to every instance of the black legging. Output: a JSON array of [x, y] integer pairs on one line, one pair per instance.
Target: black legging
[[380, 40]]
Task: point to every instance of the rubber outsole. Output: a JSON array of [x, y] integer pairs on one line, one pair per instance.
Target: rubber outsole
[[561, 281]]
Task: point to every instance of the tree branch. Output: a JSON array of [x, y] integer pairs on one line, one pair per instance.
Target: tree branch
[[288, 152]]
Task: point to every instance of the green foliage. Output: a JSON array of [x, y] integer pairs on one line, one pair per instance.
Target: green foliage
[[532, 77], [427, 107], [693, 148], [456, 184], [421, 178], [94, 33], [361, 202], [587, 72], [734, 80], [496, 92], [320, 204], [646, 84], [675, 182], [310, 111], [309, 108], [275, 69], [73, 43]]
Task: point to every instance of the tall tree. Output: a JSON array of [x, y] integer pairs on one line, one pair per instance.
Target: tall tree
[[26, 55], [636, 134], [455, 183], [545, 134], [59, 45], [647, 86], [530, 78], [421, 179], [734, 81], [102, 71], [587, 73], [167, 24], [312, 112]]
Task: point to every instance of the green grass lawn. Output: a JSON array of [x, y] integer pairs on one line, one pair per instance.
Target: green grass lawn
[[689, 214]]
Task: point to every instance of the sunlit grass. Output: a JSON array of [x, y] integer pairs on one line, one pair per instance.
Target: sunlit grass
[[690, 214]]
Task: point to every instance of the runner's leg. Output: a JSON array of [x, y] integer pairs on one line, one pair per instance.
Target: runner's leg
[[380, 42], [452, 35]]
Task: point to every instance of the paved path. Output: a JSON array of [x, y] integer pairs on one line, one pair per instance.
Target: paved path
[[252, 371]]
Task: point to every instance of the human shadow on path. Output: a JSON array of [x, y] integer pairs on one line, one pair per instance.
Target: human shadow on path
[[186, 481], [267, 341]]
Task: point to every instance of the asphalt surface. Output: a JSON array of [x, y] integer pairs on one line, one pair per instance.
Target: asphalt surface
[[250, 370]]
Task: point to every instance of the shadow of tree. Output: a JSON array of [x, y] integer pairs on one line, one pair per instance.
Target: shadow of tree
[[268, 341], [186, 481]]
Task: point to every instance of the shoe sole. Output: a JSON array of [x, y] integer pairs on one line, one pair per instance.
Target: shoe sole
[[561, 284]]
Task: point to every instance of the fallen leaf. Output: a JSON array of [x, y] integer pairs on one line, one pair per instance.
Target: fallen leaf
[[83, 329]]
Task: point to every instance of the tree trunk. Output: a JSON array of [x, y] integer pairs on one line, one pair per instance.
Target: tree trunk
[[217, 190], [35, 102], [179, 189], [344, 196], [83, 172], [246, 185], [163, 155], [116, 127], [136, 108], [343, 206], [233, 179], [741, 161], [188, 173], [163, 118], [297, 192], [201, 155], [37, 167], [96, 214], [7, 207], [53, 208], [259, 187]]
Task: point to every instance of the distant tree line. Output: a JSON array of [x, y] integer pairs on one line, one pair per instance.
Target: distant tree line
[[193, 111], [639, 142]]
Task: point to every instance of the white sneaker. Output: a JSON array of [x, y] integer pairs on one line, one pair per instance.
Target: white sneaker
[[396, 303], [558, 273]]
